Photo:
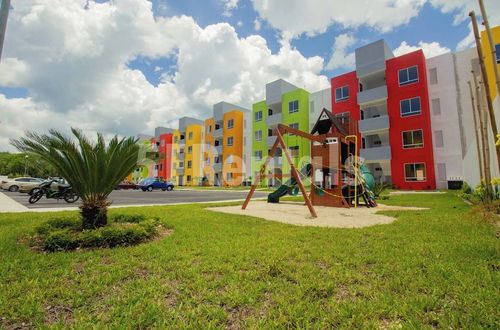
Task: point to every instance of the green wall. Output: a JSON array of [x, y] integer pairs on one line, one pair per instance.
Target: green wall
[[301, 117]]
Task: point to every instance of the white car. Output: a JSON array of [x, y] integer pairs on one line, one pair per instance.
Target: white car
[[15, 184]]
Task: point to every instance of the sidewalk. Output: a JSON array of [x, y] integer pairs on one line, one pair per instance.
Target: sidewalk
[[7, 204]]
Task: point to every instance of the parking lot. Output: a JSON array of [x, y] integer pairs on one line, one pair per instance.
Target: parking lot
[[139, 197]]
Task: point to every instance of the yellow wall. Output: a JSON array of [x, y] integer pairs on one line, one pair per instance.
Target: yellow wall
[[195, 172], [489, 61], [175, 157]]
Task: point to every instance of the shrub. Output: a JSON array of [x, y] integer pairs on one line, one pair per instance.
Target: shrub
[[90, 238], [58, 223], [128, 218], [123, 235], [379, 188], [60, 240]]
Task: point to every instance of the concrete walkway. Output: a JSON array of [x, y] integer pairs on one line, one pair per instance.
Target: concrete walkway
[[7, 204]]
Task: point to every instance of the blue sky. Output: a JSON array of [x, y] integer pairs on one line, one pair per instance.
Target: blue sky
[[127, 66]]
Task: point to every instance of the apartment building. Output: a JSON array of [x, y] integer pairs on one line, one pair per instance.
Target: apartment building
[[225, 144], [162, 143], [287, 104], [388, 96], [187, 152]]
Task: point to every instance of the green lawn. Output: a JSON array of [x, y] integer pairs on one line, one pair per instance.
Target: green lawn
[[431, 268]]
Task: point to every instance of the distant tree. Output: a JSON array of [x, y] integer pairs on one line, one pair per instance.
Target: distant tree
[[13, 165]]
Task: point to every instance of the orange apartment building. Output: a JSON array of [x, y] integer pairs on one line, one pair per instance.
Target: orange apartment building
[[224, 163]]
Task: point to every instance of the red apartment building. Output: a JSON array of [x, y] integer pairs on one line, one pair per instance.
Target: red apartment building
[[389, 97], [162, 142]]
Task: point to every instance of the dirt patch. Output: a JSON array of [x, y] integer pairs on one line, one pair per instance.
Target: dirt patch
[[298, 214], [7, 325], [57, 314], [237, 316]]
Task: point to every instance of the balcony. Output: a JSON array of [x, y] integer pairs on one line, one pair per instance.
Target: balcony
[[217, 167], [372, 95], [377, 154], [180, 170], [218, 133], [374, 124], [277, 161], [181, 156], [270, 140], [182, 142], [274, 119], [219, 150]]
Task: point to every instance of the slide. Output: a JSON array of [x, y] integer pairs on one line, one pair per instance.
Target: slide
[[288, 187], [366, 184]]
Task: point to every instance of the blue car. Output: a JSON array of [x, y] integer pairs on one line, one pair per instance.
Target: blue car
[[150, 184]]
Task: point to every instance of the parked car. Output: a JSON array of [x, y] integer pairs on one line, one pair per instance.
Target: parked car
[[150, 184], [32, 187], [126, 185], [17, 183]]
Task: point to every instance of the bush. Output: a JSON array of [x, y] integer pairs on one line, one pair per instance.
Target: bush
[[127, 218], [63, 234], [60, 240]]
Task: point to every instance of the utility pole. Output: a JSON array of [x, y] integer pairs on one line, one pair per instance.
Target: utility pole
[[4, 14], [484, 135], [478, 142], [492, 46], [486, 84]]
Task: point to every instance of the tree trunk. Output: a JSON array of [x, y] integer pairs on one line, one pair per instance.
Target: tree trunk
[[94, 217]]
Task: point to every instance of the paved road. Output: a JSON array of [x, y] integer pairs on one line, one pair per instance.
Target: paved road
[[138, 197]]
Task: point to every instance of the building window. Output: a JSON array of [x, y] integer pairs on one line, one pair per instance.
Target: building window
[[230, 141], [341, 93], [189, 178], [293, 106], [176, 139], [258, 116], [162, 143], [190, 150], [413, 139], [410, 107], [229, 176], [436, 107], [207, 161], [497, 48], [269, 112], [190, 135], [230, 123], [415, 172], [438, 139], [189, 164], [258, 155], [433, 76], [408, 76], [269, 132], [161, 167], [294, 125], [294, 151], [175, 165], [229, 159], [258, 135], [181, 164], [344, 117]]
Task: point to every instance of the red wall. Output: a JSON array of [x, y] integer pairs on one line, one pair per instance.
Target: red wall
[[350, 105], [166, 151], [399, 124]]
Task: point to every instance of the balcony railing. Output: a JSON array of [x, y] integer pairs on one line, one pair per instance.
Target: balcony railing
[[376, 154], [270, 140], [219, 149], [217, 167], [274, 119], [374, 124], [372, 95], [218, 133]]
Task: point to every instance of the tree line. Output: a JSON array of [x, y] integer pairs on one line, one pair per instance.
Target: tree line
[[16, 165]]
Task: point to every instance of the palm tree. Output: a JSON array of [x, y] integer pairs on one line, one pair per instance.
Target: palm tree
[[92, 168]]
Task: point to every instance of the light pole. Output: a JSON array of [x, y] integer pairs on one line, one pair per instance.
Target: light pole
[[4, 13], [25, 165]]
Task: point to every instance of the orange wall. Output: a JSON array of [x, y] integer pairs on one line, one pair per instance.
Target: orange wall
[[236, 149]]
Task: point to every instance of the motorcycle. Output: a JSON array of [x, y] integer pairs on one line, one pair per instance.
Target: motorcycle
[[63, 192]]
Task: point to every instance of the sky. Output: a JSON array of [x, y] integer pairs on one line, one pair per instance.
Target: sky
[[127, 66]]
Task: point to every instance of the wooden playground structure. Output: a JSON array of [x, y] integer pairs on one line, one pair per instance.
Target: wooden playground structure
[[334, 142]]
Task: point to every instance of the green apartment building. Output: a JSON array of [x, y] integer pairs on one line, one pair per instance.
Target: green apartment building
[[286, 104]]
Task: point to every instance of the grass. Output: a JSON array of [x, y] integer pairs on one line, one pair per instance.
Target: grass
[[430, 268]]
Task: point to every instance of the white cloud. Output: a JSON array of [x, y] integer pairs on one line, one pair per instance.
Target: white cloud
[[315, 16], [467, 42], [430, 49], [229, 6], [74, 61], [257, 24], [339, 57]]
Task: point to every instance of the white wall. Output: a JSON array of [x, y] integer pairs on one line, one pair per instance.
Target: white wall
[[247, 147], [447, 121], [318, 101]]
